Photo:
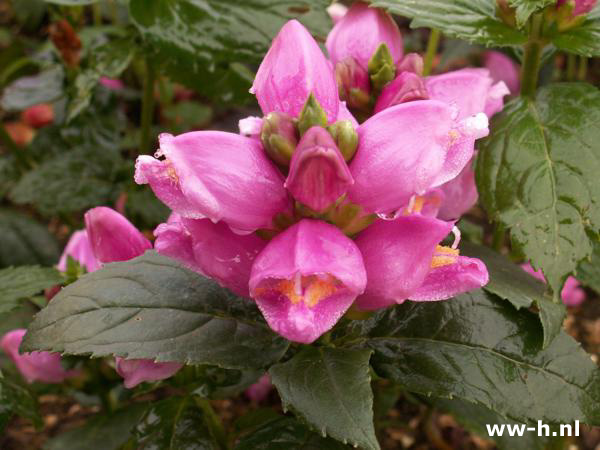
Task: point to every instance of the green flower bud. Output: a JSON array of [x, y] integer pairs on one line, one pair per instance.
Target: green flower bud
[[279, 137], [312, 115], [381, 67], [345, 137]]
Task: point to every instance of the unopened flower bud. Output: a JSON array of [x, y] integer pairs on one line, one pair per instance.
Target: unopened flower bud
[[345, 137], [413, 62], [318, 175], [381, 67], [353, 83], [279, 137], [21, 133], [407, 87], [312, 115], [38, 116], [577, 7]]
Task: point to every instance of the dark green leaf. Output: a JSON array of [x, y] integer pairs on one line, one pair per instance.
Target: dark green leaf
[[215, 382], [24, 241], [330, 389], [9, 173], [510, 282], [15, 399], [471, 20], [142, 207], [286, 433], [589, 271], [175, 423], [202, 43], [479, 348], [28, 91], [475, 418], [102, 432], [538, 174], [77, 180], [583, 39], [72, 2], [22, 282], [152, 308], [109, 60]]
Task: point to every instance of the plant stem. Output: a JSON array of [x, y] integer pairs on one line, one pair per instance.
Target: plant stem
[[533, 57], [571, 63], [97, 14], [212, 420], [583, 65], [498, 236], [432, 47], [147, 108], [20, 153]]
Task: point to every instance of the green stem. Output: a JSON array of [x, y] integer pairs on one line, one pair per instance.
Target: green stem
[[9, 144], [498, 236], [432, 47], [147, 108], [582, 72], [212, 420], [571, 66], [533, 57], [97, 14]]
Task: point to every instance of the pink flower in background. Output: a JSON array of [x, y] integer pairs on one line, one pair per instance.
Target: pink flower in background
[[572, 294], [136, 371], [35, 366], [580, 6], [259, 391], [110, 237], [112, 83], [503, 68], [80, 249], [307, 274]]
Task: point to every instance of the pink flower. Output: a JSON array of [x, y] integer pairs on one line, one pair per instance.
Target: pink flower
[[407, 87], [34, 366], [306, 278], [409, 149], [259, 391], [229, 198], [136, 371], [318, 173], [293, 68], [38, 116], [360, 32], [572, 294], [112, 83], [80, 249], [470, 90], [580, 6], [112, 236], [221, 176], [211, 249], [503, 68], [460, 194]]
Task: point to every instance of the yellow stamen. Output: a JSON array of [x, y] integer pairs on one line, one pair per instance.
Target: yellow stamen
[[444, 256], [310, 290]]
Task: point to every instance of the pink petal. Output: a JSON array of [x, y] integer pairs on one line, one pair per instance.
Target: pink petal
[[572, 294], [503, 68], [345, 114], [409, 149], [450, 280], [250, 127], [397, 255], [460, 194], [35, 366], [318, 173], [113, 237], [469, 90], [407, 87], [337, 11], [112, 83], [259, 391], [80, 249], [412, 62], [174, 241], [136, 371], [360, 32], [293, 68], [306, 278], [222, 176]]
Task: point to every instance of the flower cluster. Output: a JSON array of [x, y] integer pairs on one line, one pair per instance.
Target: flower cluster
[[310, 213]]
